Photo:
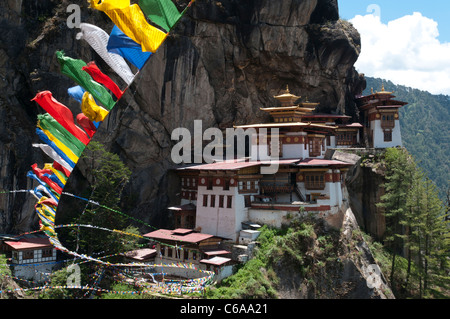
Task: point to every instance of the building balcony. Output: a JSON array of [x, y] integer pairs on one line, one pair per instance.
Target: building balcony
[[276, 188]]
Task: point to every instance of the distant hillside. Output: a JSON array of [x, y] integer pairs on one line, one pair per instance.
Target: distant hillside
[[425, 125]]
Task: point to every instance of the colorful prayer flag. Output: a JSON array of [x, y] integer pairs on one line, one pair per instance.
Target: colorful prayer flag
[[122, 44], [102, 78], [161, 12], [86, 124], [89, 108], [98, 39], [73, 69], [48, 123], [132, 22]]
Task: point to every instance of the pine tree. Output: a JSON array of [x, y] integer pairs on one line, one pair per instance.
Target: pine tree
[[398, 182]]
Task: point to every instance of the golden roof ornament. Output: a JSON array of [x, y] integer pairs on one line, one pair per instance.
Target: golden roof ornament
[[287, 99]]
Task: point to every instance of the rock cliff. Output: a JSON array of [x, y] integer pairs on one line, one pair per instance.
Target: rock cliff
[[223, 62]]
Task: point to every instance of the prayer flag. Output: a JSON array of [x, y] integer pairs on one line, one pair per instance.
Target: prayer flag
[[46, 122], [42, 176], [61, 114], [122, 44], [161, 12], [132, 22], [62, 169], [86, 124], [94, 112], [73, 69], [47, 149], [98, 39], [76, 93], [102, 78], [110, 4], [59, 148]]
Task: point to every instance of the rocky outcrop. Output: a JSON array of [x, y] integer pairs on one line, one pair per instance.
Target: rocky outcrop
[[364, 188], [224, 61]]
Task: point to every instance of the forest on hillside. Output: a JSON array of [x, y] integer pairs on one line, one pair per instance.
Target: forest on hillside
[[425, 129]]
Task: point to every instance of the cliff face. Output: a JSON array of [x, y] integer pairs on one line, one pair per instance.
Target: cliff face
[[224, 61]]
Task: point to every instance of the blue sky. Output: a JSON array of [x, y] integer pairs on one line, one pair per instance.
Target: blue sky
[[407, 42]]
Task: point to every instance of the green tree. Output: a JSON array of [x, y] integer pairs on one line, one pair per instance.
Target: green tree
[[107, 176], [417, 226], [399, 177]]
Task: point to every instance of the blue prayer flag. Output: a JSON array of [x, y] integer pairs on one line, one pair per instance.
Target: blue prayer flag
[[123, 45]]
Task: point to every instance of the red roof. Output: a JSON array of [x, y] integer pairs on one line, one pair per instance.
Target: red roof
[[216, 261], [322, 162], [29, 243], [179, 235]]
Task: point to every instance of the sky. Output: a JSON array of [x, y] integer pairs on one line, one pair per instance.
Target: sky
[[406, 42]]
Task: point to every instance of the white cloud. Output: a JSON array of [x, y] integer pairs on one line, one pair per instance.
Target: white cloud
[[406, 51]]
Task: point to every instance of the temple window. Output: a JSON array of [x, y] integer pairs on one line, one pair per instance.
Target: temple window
[[229, 201], [315, 181], [29, 254], [387, 136], [315, 147], [388, 120]]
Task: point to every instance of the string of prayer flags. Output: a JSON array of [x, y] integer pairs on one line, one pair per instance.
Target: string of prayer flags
[[92, 69], [61, 114], [130, 50], [131, 20], [98, 39], [73, 69], [92, 111]]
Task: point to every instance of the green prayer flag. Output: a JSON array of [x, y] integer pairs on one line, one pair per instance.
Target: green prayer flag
[[161, 12], [48, 123], [73, 69]]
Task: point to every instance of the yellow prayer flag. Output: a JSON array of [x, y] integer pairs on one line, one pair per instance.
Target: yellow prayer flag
[[73, 157], [89, 108], [131, 21], [109, 4]]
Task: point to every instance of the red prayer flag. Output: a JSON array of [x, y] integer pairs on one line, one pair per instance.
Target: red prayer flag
[[61, 114], [86, 124], [92, 69]]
